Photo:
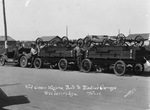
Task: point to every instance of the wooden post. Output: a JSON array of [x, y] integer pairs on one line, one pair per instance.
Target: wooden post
[[5, 27]]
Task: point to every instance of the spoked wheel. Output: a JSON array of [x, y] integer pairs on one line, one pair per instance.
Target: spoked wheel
[[63, 64], [65, 41], [39, 41], [37, 63], [80, 42], [139, 41], [2, 61], [120, 68], [121, 39], [23, 61], [86, 65], [138, 68]]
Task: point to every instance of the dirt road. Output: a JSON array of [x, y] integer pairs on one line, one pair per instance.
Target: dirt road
[[47, 89]]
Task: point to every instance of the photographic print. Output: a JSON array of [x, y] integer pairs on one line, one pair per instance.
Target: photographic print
[[74, 55]]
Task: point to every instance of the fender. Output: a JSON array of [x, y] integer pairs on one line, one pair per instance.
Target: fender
[[5, 56]]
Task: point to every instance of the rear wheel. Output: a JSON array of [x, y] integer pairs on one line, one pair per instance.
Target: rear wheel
[[120, 39], [65, 41], [80, 42], [2, 61], [86, 65], [139, 41], [39, 41], [138, 68], [23, 61], [63, 64], [120, 68], [38, 63]]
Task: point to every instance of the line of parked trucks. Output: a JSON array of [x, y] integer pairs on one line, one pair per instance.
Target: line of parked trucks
[[91, 53]]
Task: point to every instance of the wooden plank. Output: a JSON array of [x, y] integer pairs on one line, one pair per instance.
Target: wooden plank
[[54, 54], [65, 54], [121, 52], [102, 49]]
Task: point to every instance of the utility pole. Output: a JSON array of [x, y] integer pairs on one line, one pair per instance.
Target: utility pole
[[67, 31], [118, 31], [5, 27], [129, 31]]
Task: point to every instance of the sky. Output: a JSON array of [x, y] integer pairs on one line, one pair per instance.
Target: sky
[[30, 19]]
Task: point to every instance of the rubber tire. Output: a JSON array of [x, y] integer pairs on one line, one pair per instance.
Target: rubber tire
[[63, 64], [86, 61], [139, 40], [117, 71], [121, 39], [65, 41], [2, 61], [23, 61], [37, 63], [135, 68], [80, 42], [39, 41]]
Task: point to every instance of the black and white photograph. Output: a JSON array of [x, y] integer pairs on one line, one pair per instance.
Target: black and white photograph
[[74, 54]]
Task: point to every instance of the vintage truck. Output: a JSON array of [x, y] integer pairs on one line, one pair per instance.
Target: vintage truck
[[56, 52], [15, 54], [120, 56]]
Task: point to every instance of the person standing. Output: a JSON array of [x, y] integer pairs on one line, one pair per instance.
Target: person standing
[[78, 55], [33, 53]]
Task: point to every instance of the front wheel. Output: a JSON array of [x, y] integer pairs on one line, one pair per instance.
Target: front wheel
[[138, 68], [23, 61], [38, 63], [139, 41], [80, 42], [65, 41], [120, 68], [2, 61], [86, 65], [63, 64]]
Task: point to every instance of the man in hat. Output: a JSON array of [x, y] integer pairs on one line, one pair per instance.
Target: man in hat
[[79, 51]]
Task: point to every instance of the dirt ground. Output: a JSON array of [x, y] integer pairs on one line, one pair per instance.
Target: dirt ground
[[51, 89]]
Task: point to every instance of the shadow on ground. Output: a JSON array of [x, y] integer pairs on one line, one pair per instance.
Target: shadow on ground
[[13, 100]]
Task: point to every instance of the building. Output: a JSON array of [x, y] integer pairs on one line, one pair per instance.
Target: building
[[11, 41], [145, 36]]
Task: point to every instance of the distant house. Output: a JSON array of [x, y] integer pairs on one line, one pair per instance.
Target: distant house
[[146, 36], [11, 41]]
